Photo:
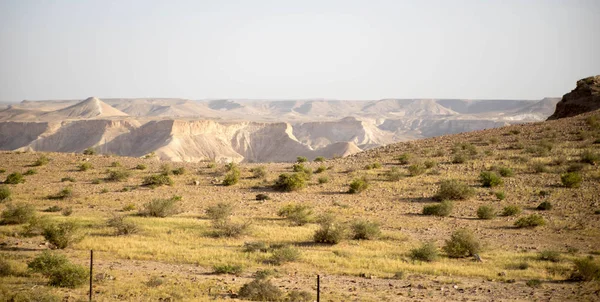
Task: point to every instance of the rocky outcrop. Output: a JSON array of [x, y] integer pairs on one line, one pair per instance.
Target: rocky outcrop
[[584, 98]]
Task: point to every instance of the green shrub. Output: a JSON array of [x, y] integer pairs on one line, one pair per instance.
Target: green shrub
[[141, 167], [490, 179], [576, 167], [358, 185], [6, 268], [259, 172], [430, 164], [297, 214], [530, 221], [89, 151], [586, 269], [161, 208], [506, 172], [155, 281], [230, 269], [375, 165], [427, 252], [5, 193], [319, 159], [549, 255], [285, 254], [290, 182], [68, 275], [97, 181], [157, 180], [179, 171], [301, 159], [14, 178], [323, 180], [539, 167], [118, 175], [416, 169], [589, 157], [121, 226], [393, 174], [571, 180], [442, 209], [404, 158], [460, 158], [515, 131], [544, 206], [533, 283], [61, 235], [262, 196], [67, 211], [85, 166], [260, 290], [70, 179], [18, 213], [500, 195], [365, 230], [165, 169], [453, 190], [30, 172], [462, 243], [321, 169], [227, 228], [42, 160], [486, 212], [219, 211], [537, 151], [231, 178], [115, 164], [511, 210], [330, 230], [256, 246], [63, 194], [45, 262], [128, 207]]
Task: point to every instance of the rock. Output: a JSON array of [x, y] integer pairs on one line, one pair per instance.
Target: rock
[[477, 258], [584, 98]]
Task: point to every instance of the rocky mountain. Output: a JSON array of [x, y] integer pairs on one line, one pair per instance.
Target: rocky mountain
[[584, 98]]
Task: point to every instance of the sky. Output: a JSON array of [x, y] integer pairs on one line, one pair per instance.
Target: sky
[[284, 49]]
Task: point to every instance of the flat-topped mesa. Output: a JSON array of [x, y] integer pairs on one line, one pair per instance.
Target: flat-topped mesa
[[584, 98]]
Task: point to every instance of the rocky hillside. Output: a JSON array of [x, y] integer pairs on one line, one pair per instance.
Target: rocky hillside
[[584, 98]]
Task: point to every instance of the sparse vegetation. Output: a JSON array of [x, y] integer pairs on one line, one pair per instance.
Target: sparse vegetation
[[453, 190], [62, 235], [69, 179], [330, 231], [416, 169], [365, 230], [14, 179], [530, 221], [571, 179], [323, 180], [442, 209], [230, 269], [219, 211], [286, 253], [545, 206], [586, 269], [371, 166], [404, 158], [427, 252], [290, 182], [319, 159], [394, 174], [179, 171], [262, 196], [260, 290], [85, 166], [157, 180], [486, 212], [141, 167], [490, 179], [89, 151], [549, 255], [511, 210], [358, 185], [161, 207], [5, 193], [297, 214], [506, 172], [121, 226], [301, 159], [500, 195], [232, 178], [462, 243], [259, 172], [63, 194], [590, 157], [18, 213], [42, 160]]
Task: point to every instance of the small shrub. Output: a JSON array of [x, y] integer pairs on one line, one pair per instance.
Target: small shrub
[[85, 166], [393, 174], [330, 232], [70, 179], [179, 171], [257, 246], [18, 213], [533, 283], [157, 180], [226, 228], [68, 275], [301, 159], [230, 269], [428, 252], [299, 296], [404, 158], [442, 209], [321, 169], [259, 172], [571, 180], [375, 165], [61, 235], [155, 281], [5, 193], [30, 172], [323, 180], [128, 207], [160, 208], [416, 169], [53, 209], [290, 182], [358, 185], [549, 255], [6, 269], [500, 195], [506, 172], [576, 167], [297, 214], [453, 190], [118, 175], [537, 151], [67, 211], [365, 230], [490, 179], [97, 181], [46, 262], [14, 178], [589, 157], [285, 254], [544, 206], [319, 159], [462, 243], [165, 169], [89, 151], [42, 160], [539, 167], [459, 158], [63, 194], [530, 221], [115, 164], [121, 226], [586, 269], [231, 178], [219, 211], [260, 290], [486, 212], [262, 196], [515, 131], [430, 164], [511, 210], [141, 167]]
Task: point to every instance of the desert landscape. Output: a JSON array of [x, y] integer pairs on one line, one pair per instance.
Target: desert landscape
[[507, 213]]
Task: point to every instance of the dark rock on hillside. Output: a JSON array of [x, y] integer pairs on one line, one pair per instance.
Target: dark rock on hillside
[[584, 98]]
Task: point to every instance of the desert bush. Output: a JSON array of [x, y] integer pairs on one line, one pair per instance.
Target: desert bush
[[30, 172], [262, 196], [297, 214], [365, 230], [85, 166], [462, 243], [70, 179], [165, 169], [155, 281], [121, 226], [459, 158], [371, 166], [285, 254], [393, 174], [533, 283], [259, 172], [53, 209], [227, 228], [549, 255], [141, 167], [67, 211], [506, 172], [530, 221], [68, 275], [453, 189], [537, 151], [221, 210], [42, 160], [571, 179], [89, 151], [230, 269], [321, 169], [430, 164], [319, 159], [404, 158], [500, 195], [427, 252], [118, 175], [442, 209], [590, 157], [358, 185], [466, 148], [323, 180], [576, 167], [61, 235], [299, 296], [179, 171], [544, 206], [232, 177], [63, 194], [416, 169], [486, 212], [157, 180], [290, 182], [14, 178], [45, 262], [160, 207], [539, 167], [6, 268], [301, 159], [300, 168], [260, 290], [115, 164], [5, 193], [330, 230], [256, 246], [490, 179], [18, 213], [586, 269]]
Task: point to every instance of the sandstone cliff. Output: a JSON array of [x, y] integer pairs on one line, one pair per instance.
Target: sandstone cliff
[[584, 98]]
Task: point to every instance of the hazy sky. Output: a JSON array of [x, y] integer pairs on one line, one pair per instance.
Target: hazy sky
[[522, 49]]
